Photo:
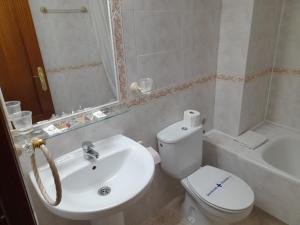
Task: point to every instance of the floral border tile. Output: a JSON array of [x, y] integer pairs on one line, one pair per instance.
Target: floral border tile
[[286, 72], [170, 90], [117, 26]]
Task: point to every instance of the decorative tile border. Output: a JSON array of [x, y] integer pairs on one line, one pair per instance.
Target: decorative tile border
[[170, 90], [232, 78], [117, 27], [267, 72], [246, 78], [156, 94], [286, 72], [253, 77], [73, 67]]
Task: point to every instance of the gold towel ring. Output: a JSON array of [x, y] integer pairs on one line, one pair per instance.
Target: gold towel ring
[[40, 144]]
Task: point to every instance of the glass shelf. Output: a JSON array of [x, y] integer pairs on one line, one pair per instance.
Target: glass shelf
[[68, 123]]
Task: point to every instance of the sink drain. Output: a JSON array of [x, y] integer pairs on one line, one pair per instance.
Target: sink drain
[[104, 191]]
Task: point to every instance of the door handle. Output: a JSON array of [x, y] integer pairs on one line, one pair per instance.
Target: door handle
[[42, 77]]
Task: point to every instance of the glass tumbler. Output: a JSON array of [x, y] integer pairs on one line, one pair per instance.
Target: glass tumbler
[[146, 85], [22, 121], [13, 107]]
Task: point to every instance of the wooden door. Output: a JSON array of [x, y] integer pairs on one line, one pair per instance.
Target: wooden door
[[20, 59]]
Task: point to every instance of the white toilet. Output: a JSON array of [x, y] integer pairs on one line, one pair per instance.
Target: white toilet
[[213, 196]]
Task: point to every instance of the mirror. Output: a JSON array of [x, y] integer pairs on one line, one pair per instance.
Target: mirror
[[63, 61]]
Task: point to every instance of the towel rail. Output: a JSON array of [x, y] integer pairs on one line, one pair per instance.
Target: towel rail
[[45, 10]]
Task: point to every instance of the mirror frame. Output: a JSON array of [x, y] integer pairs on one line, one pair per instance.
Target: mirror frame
[[117, 107], [115, 14], [119, 49]]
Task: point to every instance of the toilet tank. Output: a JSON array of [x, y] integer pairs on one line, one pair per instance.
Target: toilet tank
[[180, 148]]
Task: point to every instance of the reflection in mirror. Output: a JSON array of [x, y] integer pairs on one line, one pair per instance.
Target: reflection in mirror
[[65, 58]]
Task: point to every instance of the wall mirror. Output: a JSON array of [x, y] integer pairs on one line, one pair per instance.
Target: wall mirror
[[63, 61]]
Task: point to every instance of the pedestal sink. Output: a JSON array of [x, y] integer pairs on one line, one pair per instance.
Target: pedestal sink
[[99, 190]]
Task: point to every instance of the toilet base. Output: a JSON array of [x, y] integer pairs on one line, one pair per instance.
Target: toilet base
[[193, 215]]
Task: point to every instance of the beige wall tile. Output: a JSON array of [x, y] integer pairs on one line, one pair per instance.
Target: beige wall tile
[[284, 97]]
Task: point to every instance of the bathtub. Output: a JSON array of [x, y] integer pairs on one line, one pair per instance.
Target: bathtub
[[282, 154], [272, 170]]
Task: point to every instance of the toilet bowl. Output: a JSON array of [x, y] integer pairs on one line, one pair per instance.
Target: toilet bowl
[[213, 196]]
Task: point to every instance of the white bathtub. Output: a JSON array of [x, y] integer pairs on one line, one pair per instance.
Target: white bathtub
[[272, 170], [283, 153]]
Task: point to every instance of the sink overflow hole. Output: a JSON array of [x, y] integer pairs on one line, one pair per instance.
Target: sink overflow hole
[[104, 191], [94, 167]]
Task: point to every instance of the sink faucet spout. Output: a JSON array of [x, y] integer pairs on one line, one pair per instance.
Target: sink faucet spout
[[88, 151]]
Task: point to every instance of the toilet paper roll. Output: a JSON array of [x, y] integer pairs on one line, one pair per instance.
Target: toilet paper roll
[[192, 118]]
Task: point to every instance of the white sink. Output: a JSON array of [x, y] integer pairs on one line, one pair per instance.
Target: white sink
[[124, 166]]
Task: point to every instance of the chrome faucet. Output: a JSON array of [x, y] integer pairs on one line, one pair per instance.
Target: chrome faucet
[[89, 152]]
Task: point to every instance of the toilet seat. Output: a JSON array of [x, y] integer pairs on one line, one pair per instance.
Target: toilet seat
[[220, 189]]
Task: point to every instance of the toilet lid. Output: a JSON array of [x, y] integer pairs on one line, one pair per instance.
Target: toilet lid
[[221, 189]]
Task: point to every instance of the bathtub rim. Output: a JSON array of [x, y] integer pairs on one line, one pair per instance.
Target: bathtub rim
[[255, 156]]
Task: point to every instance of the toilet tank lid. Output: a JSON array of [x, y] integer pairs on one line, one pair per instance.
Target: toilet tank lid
[[176, 132]]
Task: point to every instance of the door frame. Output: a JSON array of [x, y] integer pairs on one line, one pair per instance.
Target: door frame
[[13, 194]]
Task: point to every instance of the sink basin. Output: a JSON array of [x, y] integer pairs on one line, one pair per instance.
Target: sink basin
[[103, 187]]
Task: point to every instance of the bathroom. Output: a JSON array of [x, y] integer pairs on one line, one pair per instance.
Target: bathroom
[[93, 72]]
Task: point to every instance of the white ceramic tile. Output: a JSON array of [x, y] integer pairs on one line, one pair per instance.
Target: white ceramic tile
[[284, 105], [263, 35], [128, 4], [128, 32], [57, 86], [157, 4], [157, 31], [228, 105], [289, 48], [234, 36], [86, 87], [192, 28], [164, 68], [199, 61], [254, 102], [284, 97], [65, 39]]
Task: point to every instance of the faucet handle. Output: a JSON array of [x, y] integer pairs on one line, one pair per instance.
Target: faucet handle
[[86, 145]]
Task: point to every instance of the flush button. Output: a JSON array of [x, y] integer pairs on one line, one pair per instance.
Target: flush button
[[184, 128]]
